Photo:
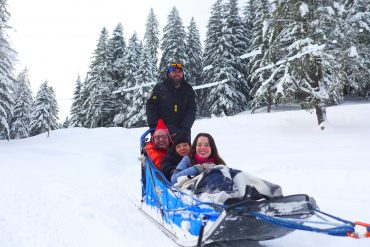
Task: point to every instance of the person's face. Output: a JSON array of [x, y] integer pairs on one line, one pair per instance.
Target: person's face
[[176, 75], [183, 149], [203, 149], [160, 139]]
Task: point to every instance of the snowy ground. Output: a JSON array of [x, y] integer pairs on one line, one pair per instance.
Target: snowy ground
[[80, 187]]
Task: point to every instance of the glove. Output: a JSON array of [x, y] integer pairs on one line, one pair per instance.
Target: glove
[[199, 168], [208, 166]]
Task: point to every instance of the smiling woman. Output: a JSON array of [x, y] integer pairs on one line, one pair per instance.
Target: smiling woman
[[55, 39]]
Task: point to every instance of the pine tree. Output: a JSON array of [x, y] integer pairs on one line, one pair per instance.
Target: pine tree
[[99, 105], [222, 63], [7, 56], [137, 114], [356, 47], [151, 42], [132, 62], [22, 108], [211, 53], [194, 52], [310, 72], [262, 87], [173, 44], [249, 15], [66, 123], [77, 106], [237, 45], [85, 94], [45, 110], [117, 50]]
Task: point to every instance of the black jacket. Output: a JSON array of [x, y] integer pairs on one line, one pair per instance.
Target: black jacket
[[176, 106], [170, 162]]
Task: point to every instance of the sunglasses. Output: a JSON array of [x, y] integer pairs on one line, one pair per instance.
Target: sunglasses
[[158, 137], [176, 65]]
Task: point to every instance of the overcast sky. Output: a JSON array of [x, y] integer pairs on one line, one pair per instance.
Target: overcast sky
[[55, 39]]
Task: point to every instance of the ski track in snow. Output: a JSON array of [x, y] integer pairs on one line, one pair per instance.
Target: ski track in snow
[[81, 187]]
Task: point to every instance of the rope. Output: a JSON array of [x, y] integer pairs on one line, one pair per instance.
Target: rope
[[342, 230]]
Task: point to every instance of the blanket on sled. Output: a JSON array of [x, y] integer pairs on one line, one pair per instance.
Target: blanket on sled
[[221, 183]]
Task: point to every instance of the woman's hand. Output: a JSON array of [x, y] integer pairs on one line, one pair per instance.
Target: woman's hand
[[199, 168], [208, 166]]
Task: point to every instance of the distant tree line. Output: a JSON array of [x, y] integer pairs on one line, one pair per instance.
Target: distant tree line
[[310, 53], [20, 115]]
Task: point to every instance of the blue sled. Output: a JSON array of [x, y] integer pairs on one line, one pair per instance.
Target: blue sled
[[192, 222]]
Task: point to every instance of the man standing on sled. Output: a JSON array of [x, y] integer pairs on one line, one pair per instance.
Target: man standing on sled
[[172, 100]]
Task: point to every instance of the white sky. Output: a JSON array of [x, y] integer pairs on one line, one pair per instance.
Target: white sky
[[56, 39]]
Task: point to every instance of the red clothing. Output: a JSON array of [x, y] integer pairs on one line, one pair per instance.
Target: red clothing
[[201, 160], [156, 155]]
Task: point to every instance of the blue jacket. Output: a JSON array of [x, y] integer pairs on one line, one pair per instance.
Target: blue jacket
[[183, 169]]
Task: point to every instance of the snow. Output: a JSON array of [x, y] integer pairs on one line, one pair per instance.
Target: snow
[[80, 187], [314, 49], [353, 51], [303, 8], [210, 84]]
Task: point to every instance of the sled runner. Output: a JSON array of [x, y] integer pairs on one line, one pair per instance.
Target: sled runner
[[191, 221]]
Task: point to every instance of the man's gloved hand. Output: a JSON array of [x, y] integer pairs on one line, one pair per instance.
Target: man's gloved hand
[[199, 168]]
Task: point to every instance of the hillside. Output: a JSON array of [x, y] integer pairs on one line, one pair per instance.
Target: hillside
[[80, 187]]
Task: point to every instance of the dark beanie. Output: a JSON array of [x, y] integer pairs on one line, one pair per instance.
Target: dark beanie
[[180, 138]]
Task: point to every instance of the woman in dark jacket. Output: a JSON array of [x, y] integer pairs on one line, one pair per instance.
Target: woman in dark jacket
[[180, 149]]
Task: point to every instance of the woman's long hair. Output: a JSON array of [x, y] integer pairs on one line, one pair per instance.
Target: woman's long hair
[[214, 152]]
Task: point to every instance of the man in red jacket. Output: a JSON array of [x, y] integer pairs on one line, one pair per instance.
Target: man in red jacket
[[159, 144]]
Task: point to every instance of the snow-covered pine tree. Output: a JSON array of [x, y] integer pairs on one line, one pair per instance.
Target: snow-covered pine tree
[[117, 53], [262, 85], [249, 17], [7, 57], [173, 44], [85, 103], [22, 108], [151, 41], [310, 72], [77, 106], [117, 50], [195, 54], [356, 46], [99, 105], [211, 52], [132, 62], [222, 63], [66, 123], [45, 110], [137, 114], [239, 45]]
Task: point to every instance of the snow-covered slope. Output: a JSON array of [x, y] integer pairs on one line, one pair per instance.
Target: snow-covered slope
[[80, 187]]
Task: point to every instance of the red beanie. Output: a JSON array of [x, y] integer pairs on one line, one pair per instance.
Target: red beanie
[[162, 126]]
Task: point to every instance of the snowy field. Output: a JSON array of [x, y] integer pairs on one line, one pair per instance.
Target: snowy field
[[80, 187]]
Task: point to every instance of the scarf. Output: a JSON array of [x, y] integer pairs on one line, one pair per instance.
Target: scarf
[[201, 160]]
